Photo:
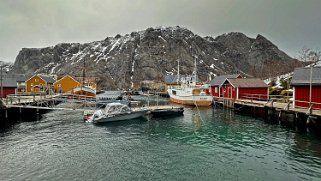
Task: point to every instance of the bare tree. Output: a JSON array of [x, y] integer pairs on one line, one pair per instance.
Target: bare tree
[[309, 55]]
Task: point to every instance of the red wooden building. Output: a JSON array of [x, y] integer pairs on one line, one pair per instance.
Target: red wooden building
[[217, 82], [9, 85], [302, 80], [253, 89]]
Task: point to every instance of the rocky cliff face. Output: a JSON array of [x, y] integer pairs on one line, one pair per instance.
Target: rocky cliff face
[[124, 61]]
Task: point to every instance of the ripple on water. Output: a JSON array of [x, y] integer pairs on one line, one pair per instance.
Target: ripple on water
[[217, 145]]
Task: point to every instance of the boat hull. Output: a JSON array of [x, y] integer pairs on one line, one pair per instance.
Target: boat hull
[[190, 96], [85, 91], [167, 112], [191, 102], [121, 117]]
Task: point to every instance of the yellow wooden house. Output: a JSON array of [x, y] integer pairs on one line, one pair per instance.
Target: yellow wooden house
[[66, 84], [39, 83]]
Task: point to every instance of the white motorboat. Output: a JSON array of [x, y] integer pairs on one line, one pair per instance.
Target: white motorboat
[[116, 112]]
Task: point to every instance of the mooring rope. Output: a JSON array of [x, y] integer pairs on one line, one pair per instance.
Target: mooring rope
[[198, 110]]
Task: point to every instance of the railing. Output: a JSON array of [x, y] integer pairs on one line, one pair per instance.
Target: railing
[[24, 98], [285, 102], [310, 105], [44, 100], [280, 98], [256, 97]]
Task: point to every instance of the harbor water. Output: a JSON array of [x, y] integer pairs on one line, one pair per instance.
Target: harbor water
[[203, 144]]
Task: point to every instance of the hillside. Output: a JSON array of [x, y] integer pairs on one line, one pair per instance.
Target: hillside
[[124, 61]]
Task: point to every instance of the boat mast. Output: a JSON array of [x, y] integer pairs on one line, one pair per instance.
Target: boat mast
[[177, 71], [195, 71], [84, 73]]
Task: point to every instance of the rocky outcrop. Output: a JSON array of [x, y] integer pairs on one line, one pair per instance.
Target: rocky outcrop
[[124, 61]]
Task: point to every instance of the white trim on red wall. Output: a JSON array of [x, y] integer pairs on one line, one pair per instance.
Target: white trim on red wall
[[237, 93], [293, 96]]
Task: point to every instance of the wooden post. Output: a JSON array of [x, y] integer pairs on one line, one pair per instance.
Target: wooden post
[[310, 93], [6, 113]]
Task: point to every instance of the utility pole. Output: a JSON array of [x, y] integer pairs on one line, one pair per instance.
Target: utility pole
[[195, 70], [1, 80], [310, 94]]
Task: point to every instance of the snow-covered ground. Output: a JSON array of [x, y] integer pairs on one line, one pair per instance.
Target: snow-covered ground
[[287, 76], [278, 80]]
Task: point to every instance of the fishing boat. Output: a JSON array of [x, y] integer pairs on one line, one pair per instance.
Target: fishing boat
[[188, 93], [85, 91], [88, 85], [116, 112]]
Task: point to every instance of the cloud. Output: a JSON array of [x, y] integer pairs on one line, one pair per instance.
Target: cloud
[[291, 24]]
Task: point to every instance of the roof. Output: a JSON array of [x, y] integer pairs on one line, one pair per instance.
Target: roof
[[301, 76], [65, 77], [247, 83], [22, 78], [48, 79], [171, 79], [9, 81], [219, 80]]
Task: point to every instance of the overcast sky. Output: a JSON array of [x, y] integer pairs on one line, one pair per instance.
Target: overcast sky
[[290, 24]]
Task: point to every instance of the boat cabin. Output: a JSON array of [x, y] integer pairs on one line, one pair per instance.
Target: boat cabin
[[116, 108]]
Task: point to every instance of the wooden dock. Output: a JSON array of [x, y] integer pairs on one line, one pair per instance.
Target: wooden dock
[[275, 111], [279, 106], [30, 105], [35, 104]]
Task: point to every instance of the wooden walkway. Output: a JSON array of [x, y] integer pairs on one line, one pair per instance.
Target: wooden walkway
[[48, 102], [272, 105]]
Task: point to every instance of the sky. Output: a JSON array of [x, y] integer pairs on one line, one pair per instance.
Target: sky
[[290, 24]]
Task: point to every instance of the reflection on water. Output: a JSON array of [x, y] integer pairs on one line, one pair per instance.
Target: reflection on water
[[204, 144]]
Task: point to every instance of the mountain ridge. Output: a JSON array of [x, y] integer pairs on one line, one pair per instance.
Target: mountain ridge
[[123, 61]]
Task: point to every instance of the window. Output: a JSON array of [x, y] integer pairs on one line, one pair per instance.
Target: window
[[31, 84], [216, 89], [36, 80]]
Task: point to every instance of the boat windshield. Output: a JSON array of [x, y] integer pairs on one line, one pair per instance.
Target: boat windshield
[[116, 108]]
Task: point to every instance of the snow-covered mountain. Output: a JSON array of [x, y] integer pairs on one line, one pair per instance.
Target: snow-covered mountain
[[6, 67], [124, 61]]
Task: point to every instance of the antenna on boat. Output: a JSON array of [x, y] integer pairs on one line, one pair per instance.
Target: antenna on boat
[[84, 72], [195, 70], [177, 71]]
